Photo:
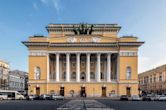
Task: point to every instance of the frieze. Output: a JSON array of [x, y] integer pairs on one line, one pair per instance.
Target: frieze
[[37, 53], [83, 39], [128, 53]]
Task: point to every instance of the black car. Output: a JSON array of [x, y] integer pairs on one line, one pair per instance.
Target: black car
[[124, 98]]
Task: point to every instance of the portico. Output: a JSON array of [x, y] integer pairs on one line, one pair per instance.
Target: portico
[[91, 65]]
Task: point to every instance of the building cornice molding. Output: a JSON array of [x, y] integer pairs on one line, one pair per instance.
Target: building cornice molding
[[85, 44]]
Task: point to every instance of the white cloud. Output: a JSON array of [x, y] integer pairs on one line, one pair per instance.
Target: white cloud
[[143, 64], [35, 6], [54, 3], [44, 1]]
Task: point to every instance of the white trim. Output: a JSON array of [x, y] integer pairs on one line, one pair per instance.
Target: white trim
[[64, 82], [43, 52]]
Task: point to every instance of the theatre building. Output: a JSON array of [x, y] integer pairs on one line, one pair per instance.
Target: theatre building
[[83, 59]]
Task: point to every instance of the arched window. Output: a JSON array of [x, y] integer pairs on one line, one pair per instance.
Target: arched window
[[64, 75], [92, 75], [37, 73], [83, 76], [73, 75], [128, 72]]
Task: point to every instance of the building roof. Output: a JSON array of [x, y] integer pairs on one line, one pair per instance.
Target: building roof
[[18, 73], [153, 71]]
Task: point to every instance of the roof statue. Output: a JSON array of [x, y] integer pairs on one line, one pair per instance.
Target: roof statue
[[83, 29]]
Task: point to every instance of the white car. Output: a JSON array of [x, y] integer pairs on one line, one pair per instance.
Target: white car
[[156, 97], [135, 98], [57, 97], [3, 97], [162, 98]]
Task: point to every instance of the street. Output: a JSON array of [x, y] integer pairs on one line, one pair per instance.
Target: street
[[31, 105], [135, 105], [53, 105]]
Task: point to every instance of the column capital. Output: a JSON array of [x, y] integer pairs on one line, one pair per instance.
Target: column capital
[[109, 53], [67, 53], [98, 54], [88, 54], [78, 54]]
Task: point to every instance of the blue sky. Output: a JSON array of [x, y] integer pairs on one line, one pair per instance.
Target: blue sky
[[145, 19]]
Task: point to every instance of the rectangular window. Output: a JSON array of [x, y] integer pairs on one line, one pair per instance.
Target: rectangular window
[[160, 77], [154, 78]]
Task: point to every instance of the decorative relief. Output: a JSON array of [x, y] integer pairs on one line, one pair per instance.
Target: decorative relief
[[38, 53], [83, 39], [95, 39], [128, 53], [71, 39]]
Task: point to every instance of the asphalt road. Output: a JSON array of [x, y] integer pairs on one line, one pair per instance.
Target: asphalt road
[[52, 105], [31, 105], [134, 105]]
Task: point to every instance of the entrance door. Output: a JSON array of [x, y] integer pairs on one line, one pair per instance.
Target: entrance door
[[103, 91], [128, 91], [83, 92], [62, 92], [37, 90]]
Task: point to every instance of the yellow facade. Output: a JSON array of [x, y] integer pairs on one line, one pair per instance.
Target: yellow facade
[[59, 62]]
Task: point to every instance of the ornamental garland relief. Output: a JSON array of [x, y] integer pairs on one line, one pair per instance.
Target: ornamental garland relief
[[73, 39]]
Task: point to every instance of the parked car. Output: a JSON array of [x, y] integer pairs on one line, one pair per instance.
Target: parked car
[[146, 98], [44, 97], [33, 97], [15, 95], [136, 98], [3, 97], [156, 97], [57, 97], [124, 98], [162, 98]]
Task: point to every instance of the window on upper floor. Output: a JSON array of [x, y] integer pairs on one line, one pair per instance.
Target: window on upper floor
[[160, 77], [37, 72], [73, 76], [92, 75], [128, 72], [150, 79], [154, 78]]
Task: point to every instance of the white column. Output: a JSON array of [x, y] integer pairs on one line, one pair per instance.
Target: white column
[[98, 68], [57, 67], [108, 67], [78, 67], [67, 67], [88, 68]]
